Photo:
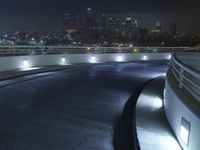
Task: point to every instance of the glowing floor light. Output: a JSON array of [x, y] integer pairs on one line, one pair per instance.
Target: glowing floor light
[[119, 58], [93, 59], [145, 57], [63, 60], [25, 62], [185, 131], [157, 103], [169, 56]]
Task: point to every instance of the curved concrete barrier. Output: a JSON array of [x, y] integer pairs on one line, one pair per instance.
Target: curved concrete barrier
[[20, 62], [181, 102], [153, 130]]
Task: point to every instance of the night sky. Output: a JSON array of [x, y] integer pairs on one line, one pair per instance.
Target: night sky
[[31, 14]]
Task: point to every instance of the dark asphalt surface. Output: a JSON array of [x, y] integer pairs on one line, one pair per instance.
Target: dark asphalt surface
[[70, 110]]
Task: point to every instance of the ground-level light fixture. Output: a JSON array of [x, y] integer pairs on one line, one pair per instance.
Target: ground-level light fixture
[[63, 60], [93, 59], [119, 58], [145, 57], [25, 62], [185, 131], [169, 56]]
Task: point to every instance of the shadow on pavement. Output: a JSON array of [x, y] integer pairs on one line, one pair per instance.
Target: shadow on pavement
[[125, 136]]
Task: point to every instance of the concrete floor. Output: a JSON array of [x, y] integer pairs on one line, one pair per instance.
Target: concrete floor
[[69, 110], [153, 129]]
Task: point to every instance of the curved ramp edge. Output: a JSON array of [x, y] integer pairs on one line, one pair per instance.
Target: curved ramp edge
[[153, 129]]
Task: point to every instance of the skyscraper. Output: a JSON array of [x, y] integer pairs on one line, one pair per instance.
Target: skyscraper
[[113, 25], [135, 23], [89, 20], [157, 30], [69, 22], [129, 27], [173, 29], [103, 22], [69, 26], [157, 27]]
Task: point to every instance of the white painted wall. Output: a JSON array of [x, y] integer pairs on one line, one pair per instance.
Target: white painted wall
[[175, 110], [16, 62]]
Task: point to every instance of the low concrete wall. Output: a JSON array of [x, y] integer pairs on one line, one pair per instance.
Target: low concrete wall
[[17, 62], [175, 111]]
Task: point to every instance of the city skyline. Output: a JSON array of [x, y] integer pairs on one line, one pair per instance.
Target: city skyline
[[91, 29], [32, 14], [34, 23]]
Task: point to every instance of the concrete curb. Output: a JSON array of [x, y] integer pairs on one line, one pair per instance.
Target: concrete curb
[[152, 127]]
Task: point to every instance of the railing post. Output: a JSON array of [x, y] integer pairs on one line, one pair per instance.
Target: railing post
[[12, 50], [42, 52], [181, 78]]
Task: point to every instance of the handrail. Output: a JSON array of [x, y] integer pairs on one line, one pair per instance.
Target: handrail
[[185, 67], [44, 50], [183, 80], [90, 46]]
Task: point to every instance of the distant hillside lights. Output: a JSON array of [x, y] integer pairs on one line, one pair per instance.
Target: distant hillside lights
[[135, 50]]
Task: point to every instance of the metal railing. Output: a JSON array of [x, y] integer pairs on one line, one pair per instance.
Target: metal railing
[[44, 50], [187, 77]]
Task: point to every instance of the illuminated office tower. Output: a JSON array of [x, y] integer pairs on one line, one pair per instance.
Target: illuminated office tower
[[173, 29], [69, 26], [89, 20], [104, 22], [157, 30], [113, 26], [69, 22]]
